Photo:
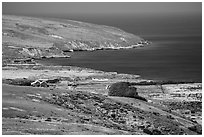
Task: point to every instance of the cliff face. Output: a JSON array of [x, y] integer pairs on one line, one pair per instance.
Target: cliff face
[[36, 37]]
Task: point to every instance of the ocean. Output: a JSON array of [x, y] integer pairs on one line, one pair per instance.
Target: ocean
[[175, 52]]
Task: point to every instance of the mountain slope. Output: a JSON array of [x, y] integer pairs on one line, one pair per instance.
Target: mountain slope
[[36, 37]]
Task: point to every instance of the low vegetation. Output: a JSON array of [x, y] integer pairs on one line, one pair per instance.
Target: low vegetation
[[196, 128], [66, 112], [18, 81]]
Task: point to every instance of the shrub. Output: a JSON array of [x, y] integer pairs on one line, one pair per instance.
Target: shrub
[[196, 128], [18, 81], [123, 89], [53, 80]]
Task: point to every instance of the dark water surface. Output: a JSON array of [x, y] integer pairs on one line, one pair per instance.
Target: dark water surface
[[175, 52]]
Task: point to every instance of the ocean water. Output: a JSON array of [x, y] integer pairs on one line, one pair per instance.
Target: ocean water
[[175, 52]]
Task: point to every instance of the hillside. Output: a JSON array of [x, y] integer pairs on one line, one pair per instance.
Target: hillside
[[43, 111], [74, 100], [54, 100], [26, 37]]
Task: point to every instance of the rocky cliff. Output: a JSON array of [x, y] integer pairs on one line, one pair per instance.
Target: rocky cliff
[[25, 37]]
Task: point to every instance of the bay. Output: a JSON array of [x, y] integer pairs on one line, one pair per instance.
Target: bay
[[175, 52]]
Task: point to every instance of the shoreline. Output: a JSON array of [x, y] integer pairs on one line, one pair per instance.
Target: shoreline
[[37, 63], [144, 82], [39, 98], [154, 79], [46, 93]]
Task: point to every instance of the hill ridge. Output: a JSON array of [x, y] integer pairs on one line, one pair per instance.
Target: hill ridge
[[24, 36]]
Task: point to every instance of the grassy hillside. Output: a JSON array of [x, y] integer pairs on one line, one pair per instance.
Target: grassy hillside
[[28, 110], [36, 37]]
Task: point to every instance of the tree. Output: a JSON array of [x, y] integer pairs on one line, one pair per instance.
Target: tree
[[124, 89]]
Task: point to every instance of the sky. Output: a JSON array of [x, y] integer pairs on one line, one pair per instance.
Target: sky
[[79, 8]]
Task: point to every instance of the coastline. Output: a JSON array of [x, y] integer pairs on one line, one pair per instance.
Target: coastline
[[50, 99]]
